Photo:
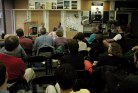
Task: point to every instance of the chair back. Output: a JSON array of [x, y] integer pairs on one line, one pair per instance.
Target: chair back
[[45, 51], [18, 85], [83, 80], [29, 52], [47, 79], [37, 63], [84, 53]]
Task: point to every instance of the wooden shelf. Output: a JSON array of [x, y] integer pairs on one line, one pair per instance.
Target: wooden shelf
[[46, 9]]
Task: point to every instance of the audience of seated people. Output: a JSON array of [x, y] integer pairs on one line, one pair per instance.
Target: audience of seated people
[[16, 67], [19, 52], [118, 37], [114, 56], [66, 77]]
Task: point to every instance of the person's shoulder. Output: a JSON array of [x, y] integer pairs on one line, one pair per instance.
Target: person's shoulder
[[82, 91]]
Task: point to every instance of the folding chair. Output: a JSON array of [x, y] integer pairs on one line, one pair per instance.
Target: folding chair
[[38, 63], [83, 80], [43, 80], [46, 51], [84, 53]]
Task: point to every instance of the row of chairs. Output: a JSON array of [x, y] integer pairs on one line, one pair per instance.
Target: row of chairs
[[83, 81], [43, 60]]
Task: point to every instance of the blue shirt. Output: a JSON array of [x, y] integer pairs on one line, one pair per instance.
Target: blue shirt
[[91, 38], [43, 40]]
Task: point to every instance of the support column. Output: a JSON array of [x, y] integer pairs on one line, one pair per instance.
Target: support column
[[4, 18]]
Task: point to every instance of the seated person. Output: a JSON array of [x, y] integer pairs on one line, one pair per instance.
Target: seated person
[[73, 57], [117, 38], [66, 76], [3, 79], [43, 40], [114, 56], [16, 66], [80, 37], [53, 33], [19, 52], [60, 40], [26, 43]]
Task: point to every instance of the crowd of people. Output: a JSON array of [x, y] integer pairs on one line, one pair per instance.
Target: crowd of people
[[108, 74]]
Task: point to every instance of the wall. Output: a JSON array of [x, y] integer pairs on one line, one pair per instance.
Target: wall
[[54, 20], [1, 19], [47, 16], [134, 23], [8, 16], [21, 4], [86, 5]]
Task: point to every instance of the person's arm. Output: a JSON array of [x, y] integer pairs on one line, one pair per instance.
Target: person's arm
[[106, 42], [23, 53], [21, 67], [135, 48], [117, 37]]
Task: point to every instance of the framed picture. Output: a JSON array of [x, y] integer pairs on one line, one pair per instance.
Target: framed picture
[[66, 4], [42, 5], [60, 4], [74, 4], [37, 5], [33, 31], [54, 5], [97, 11], [112, 15], [48, 5]]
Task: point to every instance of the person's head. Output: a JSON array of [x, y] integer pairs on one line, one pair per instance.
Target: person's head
[[55, 29], [120, 28], [2, 35], [112, 26], [3, 75], [42, 24], [80, 36], [59, 25], [11, 43], [73, 46], [115, 49], [59, 33], [95, 30], [97, 9], [43, 31], [66, 76], [20, 32]]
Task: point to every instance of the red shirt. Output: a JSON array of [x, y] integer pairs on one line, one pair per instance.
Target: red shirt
[[15, 66], [26, 43]]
